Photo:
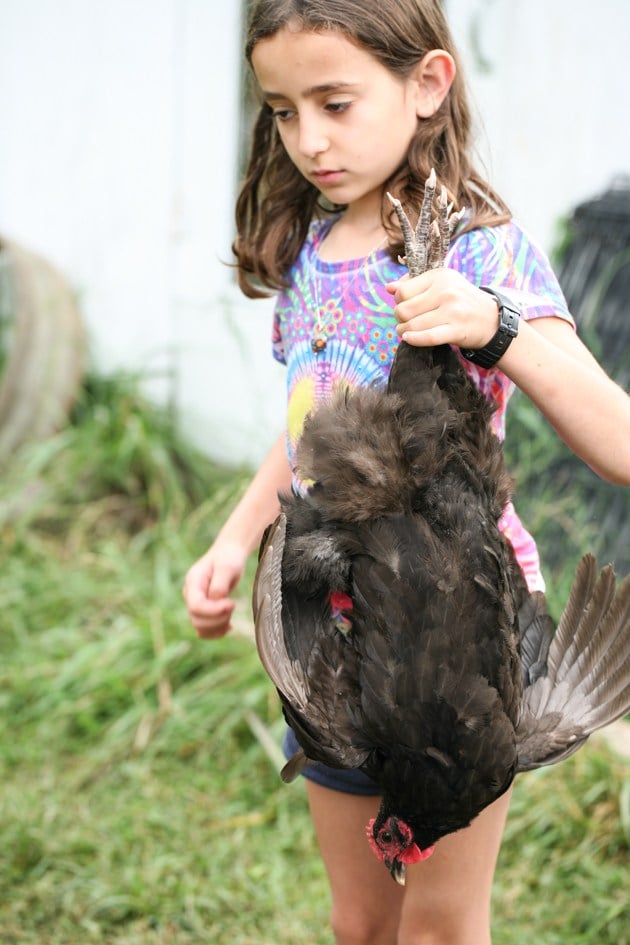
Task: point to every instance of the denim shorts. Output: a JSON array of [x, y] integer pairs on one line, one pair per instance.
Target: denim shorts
[[349, 781]]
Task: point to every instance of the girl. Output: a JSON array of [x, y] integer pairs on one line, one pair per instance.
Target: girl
[[360, 97]]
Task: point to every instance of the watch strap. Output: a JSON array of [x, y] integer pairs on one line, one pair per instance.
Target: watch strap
[[509, 315]]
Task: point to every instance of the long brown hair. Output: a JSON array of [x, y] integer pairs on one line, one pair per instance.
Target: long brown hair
[[276, 203]]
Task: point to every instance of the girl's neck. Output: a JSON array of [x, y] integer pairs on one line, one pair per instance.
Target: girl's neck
[[357, 232], [352, 237]]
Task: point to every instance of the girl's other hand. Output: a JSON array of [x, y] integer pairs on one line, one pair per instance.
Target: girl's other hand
[[442, 307], [207, 588]]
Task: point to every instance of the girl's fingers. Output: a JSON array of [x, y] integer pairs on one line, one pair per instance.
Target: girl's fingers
[[393, 287], [213, 622], [212, 631], [428, 337], [206, 591], [442, 307], [222, 580], [206, 608]]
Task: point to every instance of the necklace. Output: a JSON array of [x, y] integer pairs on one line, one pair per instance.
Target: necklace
[[324, 321]]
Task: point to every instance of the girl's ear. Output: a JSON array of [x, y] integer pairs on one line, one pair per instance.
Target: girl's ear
[[433, 76]]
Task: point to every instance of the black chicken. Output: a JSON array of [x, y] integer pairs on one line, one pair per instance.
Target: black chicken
[[393, 618]]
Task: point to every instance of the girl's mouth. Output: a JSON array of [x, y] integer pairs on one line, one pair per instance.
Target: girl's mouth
[[326, 178]]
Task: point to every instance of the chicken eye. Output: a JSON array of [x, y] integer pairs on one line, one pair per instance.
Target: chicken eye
[[386, 836]]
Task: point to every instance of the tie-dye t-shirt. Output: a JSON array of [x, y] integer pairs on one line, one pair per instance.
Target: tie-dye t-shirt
[[350, 300]]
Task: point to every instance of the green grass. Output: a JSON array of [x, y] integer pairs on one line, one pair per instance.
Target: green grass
[[138, 806]]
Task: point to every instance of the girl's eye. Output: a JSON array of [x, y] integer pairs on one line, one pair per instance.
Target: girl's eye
[[282, 114], [337, 107]]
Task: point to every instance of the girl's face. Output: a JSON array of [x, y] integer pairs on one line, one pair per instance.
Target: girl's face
[[345, 120]]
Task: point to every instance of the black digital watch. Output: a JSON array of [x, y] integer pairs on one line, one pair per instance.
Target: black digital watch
[[509, 315]]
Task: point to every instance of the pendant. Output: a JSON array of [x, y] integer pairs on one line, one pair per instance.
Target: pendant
[[318, 344]]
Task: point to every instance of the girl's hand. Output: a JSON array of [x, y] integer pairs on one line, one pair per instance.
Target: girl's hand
[[442, 307], [207, 588], [211, 580]]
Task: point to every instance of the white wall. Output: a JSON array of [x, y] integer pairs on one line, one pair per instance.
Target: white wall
[[86, 122], [550, 80], [118, 161], [118, 157]]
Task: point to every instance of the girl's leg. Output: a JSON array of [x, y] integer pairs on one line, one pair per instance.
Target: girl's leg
[[366, 902], [447, 897]]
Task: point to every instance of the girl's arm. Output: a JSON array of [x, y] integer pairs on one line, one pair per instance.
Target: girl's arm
[[211, 580], [586, 408], [546, 360]]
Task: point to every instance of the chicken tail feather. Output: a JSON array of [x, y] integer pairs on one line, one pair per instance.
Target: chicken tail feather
[[587, 683]]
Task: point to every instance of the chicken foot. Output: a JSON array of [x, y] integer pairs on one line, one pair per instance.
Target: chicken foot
[[426, 246]]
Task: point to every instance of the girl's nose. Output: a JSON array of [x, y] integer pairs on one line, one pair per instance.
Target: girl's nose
[[312, 139]]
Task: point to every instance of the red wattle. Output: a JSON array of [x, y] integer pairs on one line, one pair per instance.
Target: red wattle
[[414, 854]]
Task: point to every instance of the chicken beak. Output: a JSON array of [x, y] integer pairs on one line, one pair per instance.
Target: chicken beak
[[398, 871]]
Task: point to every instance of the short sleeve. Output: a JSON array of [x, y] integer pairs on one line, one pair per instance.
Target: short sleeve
[[505, 257]]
